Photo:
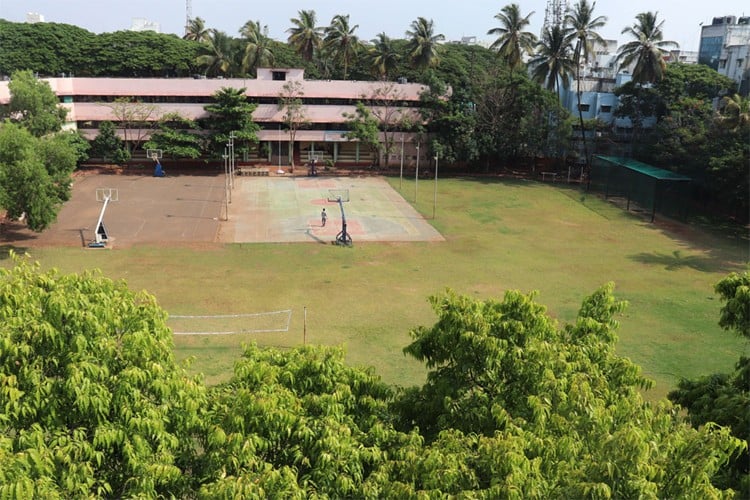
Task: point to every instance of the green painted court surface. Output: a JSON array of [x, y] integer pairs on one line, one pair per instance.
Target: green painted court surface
[[286, 209]]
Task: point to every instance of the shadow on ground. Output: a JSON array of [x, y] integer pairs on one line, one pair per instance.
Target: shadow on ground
[[677, 260]]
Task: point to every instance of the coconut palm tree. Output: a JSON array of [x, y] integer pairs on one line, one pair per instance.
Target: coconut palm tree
[[217, 54], [584, 25], [341, 41], [512, 41], [305, 37], [257, 52], [383, 56], [423, 45], [196, 30], [648, 50], [553, 63], [734, 112]]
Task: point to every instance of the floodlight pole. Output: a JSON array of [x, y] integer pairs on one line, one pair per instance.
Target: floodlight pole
[[231, 160], [434, 196], [416, 177], [401, 175], [228, 170]]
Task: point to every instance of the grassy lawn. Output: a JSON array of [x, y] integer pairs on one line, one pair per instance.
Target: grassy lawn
[[501, 234]]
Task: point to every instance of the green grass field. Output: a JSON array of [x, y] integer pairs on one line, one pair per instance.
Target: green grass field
[[501, 234]]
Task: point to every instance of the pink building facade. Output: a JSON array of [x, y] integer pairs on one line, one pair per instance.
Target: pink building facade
[[325, 103]]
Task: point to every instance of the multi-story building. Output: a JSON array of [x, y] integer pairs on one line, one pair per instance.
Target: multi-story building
[[89, 102], [725, 47]]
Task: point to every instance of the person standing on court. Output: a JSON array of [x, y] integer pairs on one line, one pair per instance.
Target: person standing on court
[[323, 218]]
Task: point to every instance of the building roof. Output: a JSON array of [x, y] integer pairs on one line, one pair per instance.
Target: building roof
[[199, 87], [644, 168]]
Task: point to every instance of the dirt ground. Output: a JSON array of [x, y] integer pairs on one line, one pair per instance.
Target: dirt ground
[[190, 209]]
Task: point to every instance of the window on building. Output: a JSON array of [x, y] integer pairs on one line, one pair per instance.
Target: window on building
[[278, 76], [722, 63], [606, 108], [584, 107]]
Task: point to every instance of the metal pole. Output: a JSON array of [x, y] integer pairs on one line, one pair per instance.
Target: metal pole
[[304, 326], [434, 196], [279, 146], [232, 160], [228, 171], [416, 177], [226, 183], [401, 175]]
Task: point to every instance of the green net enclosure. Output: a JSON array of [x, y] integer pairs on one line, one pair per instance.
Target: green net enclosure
[[640, 185]]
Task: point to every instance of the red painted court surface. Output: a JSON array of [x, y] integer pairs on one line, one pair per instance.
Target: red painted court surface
[[189, 209]]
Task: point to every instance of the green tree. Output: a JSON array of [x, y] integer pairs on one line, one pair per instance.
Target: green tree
[[690, 137], [383, 56], [584, 25], [512, 41], [724, 399], [294, 113], [35, 172], [423, 47], [93, 403], [451, 120], [298, 423], [106, 144], [514, 405], [258, 51], [735, 112], [141, 54], [304, 36], [26, 188], [734, 290], [230, 113], [34, 105], [197, 31], [218, 55], [553, 64], [648, 51], [339, 39], [363, 126], [48, 49], [135, 118], [177, 137]]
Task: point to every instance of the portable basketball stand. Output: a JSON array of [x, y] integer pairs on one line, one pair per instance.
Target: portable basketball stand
[[155, 154], [343, 238], [101, 235]]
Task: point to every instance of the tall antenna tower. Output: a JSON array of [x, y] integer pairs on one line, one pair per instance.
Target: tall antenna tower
[[188, 14], [554, 14]]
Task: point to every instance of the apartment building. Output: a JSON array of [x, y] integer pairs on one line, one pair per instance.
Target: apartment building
[[725, 47]]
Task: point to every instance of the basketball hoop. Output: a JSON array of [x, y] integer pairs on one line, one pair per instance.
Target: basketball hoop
[[154, 154]]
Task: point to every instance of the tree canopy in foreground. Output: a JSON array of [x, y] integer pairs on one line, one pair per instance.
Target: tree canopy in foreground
[[92, 403]]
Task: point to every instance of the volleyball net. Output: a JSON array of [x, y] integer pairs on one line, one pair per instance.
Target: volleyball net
[[229, 324]]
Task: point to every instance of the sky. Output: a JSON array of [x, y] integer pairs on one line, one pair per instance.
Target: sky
[[454, 19]]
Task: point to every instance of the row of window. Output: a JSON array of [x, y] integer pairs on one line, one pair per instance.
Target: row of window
[[312, 101], [95, 124], [604, 108]]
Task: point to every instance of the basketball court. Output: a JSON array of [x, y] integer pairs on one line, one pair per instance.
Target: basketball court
[[191, 209], [288, 209]]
